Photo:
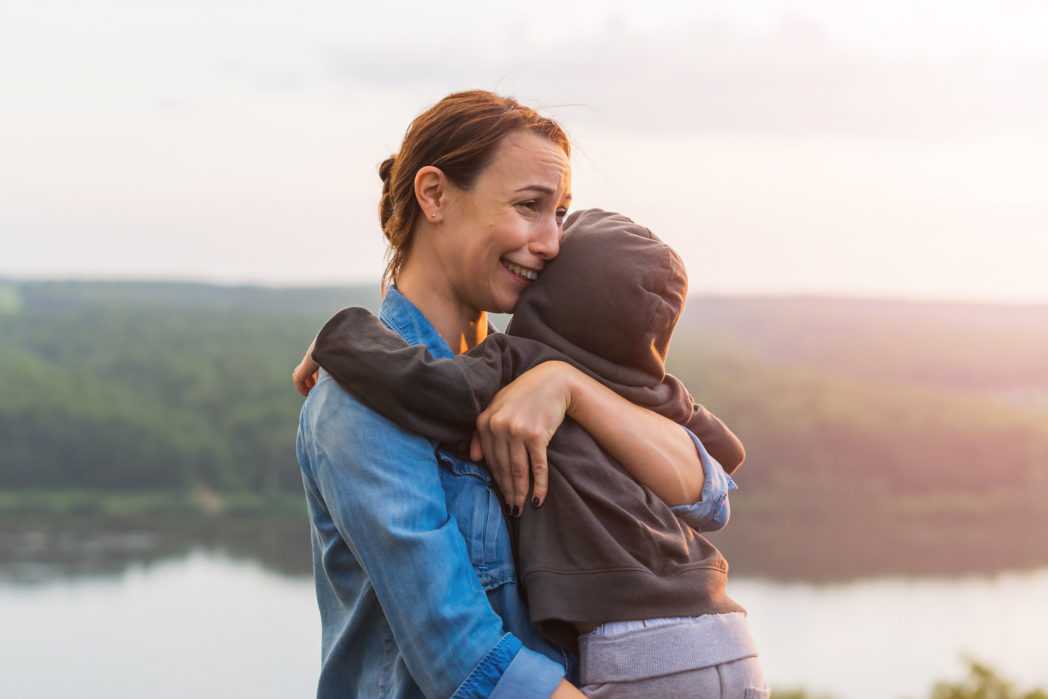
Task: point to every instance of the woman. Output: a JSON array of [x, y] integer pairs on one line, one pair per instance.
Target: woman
[[611, 571], [412, 564]]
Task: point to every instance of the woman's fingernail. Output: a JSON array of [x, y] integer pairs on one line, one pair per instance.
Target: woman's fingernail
[[516, 511], [535, 502]]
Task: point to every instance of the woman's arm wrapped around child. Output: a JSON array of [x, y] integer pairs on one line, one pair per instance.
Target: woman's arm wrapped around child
[[442, 398]]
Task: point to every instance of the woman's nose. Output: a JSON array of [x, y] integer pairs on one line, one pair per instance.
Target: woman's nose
[[547, 243]]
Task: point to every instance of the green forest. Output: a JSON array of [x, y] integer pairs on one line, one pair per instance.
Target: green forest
[[918, 409], [130, 387]]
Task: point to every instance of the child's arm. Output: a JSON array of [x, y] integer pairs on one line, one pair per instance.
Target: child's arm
[[442, 398], [445, 399], [437, 398]]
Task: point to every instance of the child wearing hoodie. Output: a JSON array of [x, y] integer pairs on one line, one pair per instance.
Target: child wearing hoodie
[[609, 570]]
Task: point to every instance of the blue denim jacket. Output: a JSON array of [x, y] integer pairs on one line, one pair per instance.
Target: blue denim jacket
[[411, 555]]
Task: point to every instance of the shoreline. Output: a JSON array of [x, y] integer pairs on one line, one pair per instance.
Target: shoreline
[[117, 504]]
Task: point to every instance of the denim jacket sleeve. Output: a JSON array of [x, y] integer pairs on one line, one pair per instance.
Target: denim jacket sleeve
[[382, 489], [713, 509]]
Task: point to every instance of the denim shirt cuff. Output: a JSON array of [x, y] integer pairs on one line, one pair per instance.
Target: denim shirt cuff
[[713, 510], [510, 670], [530, 674]]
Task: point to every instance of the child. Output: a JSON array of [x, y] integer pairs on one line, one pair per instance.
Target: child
[[602, 557]]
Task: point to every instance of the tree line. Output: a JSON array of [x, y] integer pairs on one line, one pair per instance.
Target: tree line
[[160, 386]]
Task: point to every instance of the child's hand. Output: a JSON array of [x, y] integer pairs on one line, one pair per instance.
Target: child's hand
[[305, 374]]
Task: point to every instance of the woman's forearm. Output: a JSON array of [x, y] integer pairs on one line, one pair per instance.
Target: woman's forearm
[[656, 451]]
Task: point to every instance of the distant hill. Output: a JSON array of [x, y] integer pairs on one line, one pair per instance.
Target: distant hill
[[137, 385], [881, 435], [995, 347], [37, 297]]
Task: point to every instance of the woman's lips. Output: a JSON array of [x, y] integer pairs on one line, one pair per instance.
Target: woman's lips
[[521, 273]]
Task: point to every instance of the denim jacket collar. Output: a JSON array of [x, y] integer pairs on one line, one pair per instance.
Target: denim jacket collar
[[404, 317]]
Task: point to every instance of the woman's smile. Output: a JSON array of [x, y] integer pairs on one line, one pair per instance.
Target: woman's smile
[[522, 274]]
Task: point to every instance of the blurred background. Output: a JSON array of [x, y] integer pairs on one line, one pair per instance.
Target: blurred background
[[188, 191]]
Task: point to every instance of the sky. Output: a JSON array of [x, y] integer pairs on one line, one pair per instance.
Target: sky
[[897, 148]]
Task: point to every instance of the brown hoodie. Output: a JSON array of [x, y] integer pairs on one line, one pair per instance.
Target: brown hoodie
[[602, 547]]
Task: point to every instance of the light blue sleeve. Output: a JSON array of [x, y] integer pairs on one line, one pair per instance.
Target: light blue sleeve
[[382, 488], [511, 671], [530, 674], [713, 510]]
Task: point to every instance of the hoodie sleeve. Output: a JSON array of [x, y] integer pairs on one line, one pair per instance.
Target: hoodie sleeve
[[718, 439], [437, 398]]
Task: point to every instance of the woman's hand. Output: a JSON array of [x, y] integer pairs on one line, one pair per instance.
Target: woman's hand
[[305, 374], [566, 691], [515, 429]]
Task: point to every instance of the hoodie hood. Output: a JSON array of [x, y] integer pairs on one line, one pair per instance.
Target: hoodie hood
[[610, 300]]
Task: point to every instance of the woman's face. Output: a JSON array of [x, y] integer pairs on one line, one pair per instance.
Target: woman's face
[[497, 236]]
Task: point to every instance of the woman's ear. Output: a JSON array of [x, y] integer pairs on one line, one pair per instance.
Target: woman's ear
[[431, 192]]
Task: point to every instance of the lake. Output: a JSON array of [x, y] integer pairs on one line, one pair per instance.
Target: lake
[[108, 617]]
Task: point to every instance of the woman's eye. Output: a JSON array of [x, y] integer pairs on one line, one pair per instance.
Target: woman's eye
[[532, 204]]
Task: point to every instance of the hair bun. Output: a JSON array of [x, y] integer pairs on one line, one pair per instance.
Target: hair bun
[[385, 202], [385, 170]]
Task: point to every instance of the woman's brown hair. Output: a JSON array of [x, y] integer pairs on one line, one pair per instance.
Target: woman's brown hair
[[459, 135]]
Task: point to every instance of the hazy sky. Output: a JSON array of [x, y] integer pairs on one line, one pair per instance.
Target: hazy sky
[[889, 148]]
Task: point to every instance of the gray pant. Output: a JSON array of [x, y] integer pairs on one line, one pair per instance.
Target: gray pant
[[708, 657]]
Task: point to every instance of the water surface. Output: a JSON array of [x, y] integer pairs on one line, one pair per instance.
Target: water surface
[[204, 623]]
